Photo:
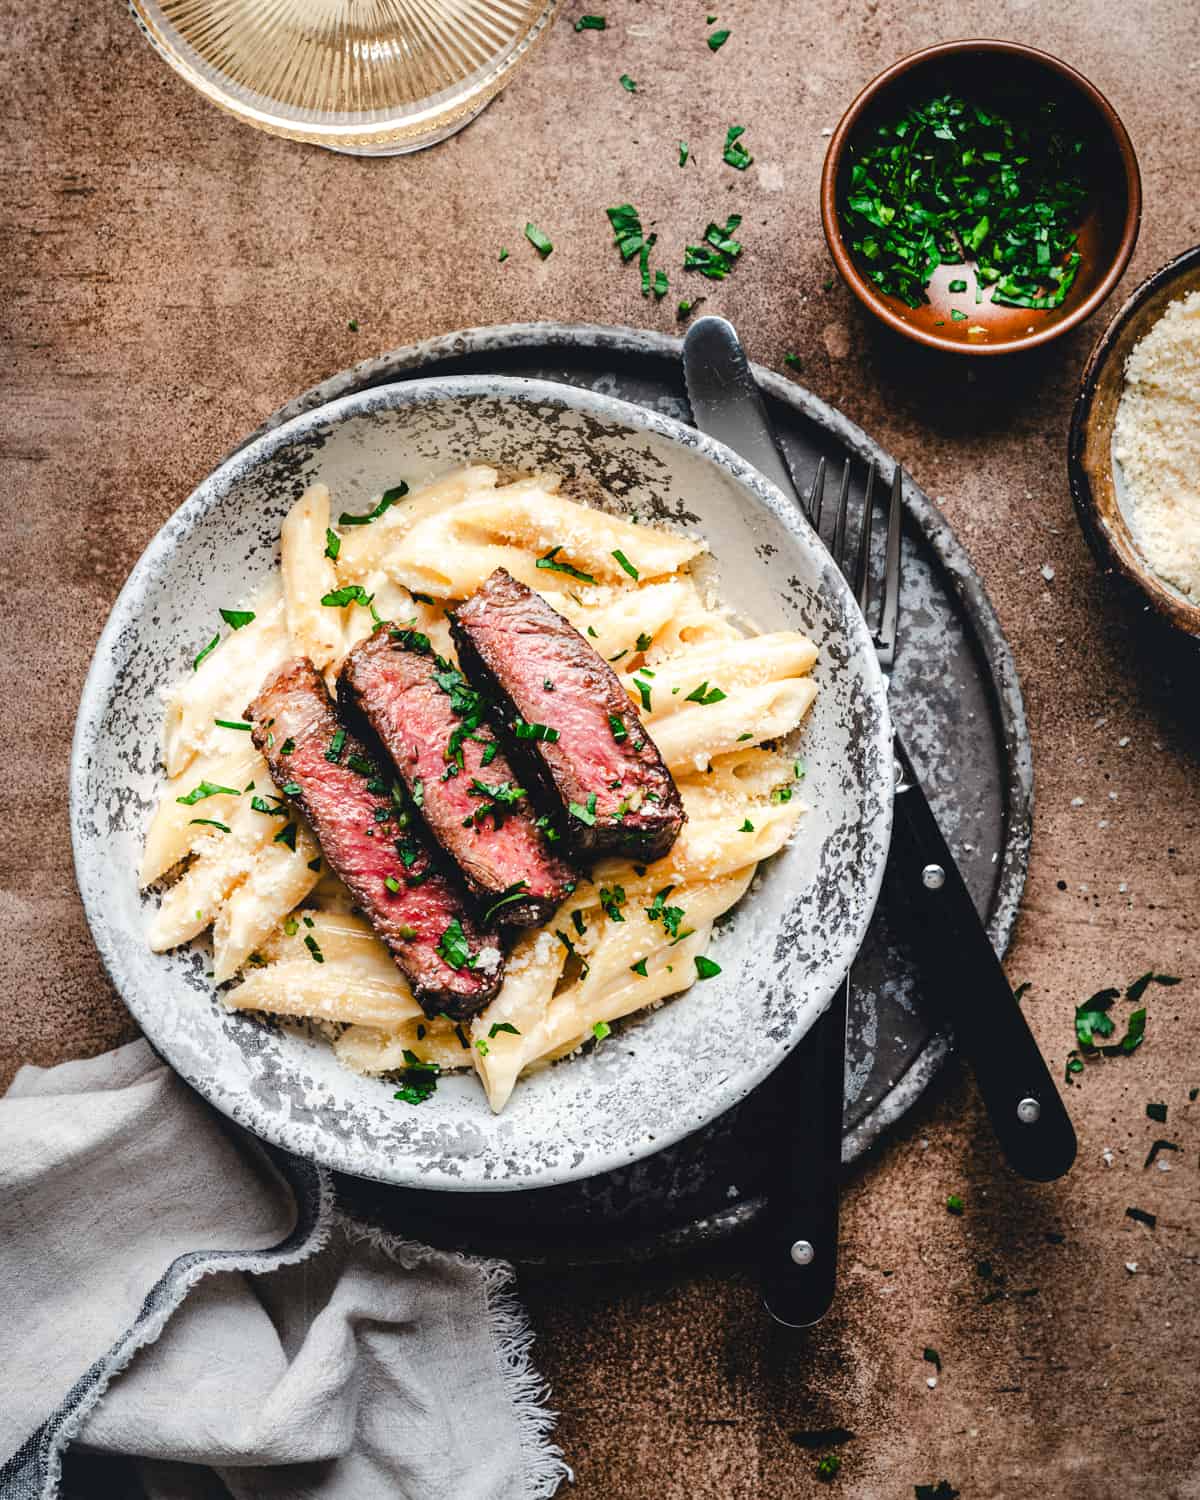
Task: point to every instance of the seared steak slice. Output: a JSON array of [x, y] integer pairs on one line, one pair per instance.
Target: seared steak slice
[[596, 757], [431, 722], [373, 844]]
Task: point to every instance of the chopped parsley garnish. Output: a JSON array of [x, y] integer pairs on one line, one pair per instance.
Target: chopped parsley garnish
[[956, 316], [717, 40], [291, 927], [590, 23], [361, 766], [524, 731], [420, 1080], [584, 814], [639, 967], [669, 916], [511, 893], [643, 642], [481, 1046], [704, 695], [212, 646], [503, 256], [957, 286], [705, 968], [578, 923], [793, 360], [274, 808], [410, 640], [644, 692], [1139, 986], [418, 793], [828, 1467], [540, 242], [236, 618], [387, 500], [352, 325], [627, 229], [799, 770], [207, 789], [336, 745], [781, 794], [748, 735], [292, 788], [951, 181], [286, 836], [619, 732], [392, 884], [452, 945], [954, 1204], [932, 1357], [498, 1026], [211, 823], [498, 800], [625, 563], [1157, 1112], [549, 562], [628, 84], [314, 948], [285, 749], [601, 1029], [546, 827], [735, 153], [683, 153], [620, 654], [747, 827], [233, 724], [612, 899], [351, 593], [715, 257]]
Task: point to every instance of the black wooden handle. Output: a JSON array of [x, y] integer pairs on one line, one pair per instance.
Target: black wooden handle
[[962, 976], [800, 1241]]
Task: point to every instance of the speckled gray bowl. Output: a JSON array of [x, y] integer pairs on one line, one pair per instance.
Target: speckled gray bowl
[[783, 950]]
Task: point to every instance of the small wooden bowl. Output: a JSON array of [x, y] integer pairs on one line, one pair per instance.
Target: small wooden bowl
[[1095, 488], [1106, 237]]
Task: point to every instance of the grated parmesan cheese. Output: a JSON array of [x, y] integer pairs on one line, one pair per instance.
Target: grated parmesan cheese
[[1156, 441]]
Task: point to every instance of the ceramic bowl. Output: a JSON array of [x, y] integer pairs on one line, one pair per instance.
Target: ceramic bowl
[[1097, 486], [1107, 235], [782, 951]]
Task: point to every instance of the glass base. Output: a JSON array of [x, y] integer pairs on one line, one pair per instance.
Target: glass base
[[404, 148]]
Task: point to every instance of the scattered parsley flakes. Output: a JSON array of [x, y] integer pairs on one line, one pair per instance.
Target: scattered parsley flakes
[[625, 564], [503, 256], [705, 968], [211, 823], [1157, 1112], [452, 945], [499, 1026], [333, 544], [957, 286], [715, 257], [619, 732], [314, 948], [704, 695], [956, 316], [954, 1204], [550, 563], [639, 967], [590, 23], [1139, 986], [683, 153], [643, 642], [286, 835], [352, 325], [540, 242], [236, 618], [212, 646], [735, 153], [350, 593], [524, 731], [644, 691], [747, 827], [612, 899], [387, 500], [233, 724], [717, 40], [336, 745], [747, 735], [793, 360], [828, 1467], [584, 814], [601, 1029], [627, 229], [286, 749], [932, 1357], [481, 1046], [207, 789], [628, 84]]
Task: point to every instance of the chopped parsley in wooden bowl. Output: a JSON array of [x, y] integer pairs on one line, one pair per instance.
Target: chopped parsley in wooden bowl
[[981, 197]]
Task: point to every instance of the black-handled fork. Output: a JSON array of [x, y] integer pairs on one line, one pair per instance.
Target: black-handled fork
[[800, 1242]]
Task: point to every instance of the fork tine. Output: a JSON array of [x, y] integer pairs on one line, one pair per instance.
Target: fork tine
[[862, 564], [816, 494], [886, 639], [839, 525]]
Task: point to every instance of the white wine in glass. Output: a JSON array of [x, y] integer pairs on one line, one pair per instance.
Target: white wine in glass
[[373, 77]]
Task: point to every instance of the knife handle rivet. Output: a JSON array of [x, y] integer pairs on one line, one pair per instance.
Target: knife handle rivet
[[933, 877], [803, 1253], [1029, 1111]]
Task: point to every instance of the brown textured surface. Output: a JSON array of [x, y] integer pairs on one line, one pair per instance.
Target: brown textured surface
[[168, 277]]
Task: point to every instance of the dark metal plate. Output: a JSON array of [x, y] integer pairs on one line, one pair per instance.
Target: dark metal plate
[[956, 699]]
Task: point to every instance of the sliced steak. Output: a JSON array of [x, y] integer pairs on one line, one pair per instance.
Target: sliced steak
[[431, 722], [374, 844], [593, 751]]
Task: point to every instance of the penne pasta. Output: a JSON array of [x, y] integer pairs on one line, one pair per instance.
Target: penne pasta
[[689, 738], [315, 629]]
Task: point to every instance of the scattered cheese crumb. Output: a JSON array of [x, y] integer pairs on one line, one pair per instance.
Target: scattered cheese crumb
[[1131, 1266], [1047, 572]]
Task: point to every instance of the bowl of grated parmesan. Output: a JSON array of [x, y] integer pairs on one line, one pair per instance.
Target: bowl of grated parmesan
[[1134, 447]]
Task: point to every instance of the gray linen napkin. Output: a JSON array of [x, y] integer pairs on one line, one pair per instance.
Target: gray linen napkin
[[171, 1293]]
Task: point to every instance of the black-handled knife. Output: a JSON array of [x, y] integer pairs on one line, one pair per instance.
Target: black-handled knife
[[962, 976]]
